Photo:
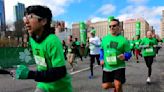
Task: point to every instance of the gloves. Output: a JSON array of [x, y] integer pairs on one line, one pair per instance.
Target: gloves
[[22, 72], [127, 55]]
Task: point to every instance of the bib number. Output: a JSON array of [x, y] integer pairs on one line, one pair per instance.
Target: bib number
[[40, 61], [111, 57], [148, 50], [69, 50], [92, 47]]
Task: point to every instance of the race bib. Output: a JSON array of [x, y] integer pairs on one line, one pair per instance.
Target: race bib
[[137, 43], [69, 50], [111, 57], [40, 61], [92, 47], [148, 50]]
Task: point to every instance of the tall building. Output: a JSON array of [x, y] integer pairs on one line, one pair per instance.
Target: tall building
[[162, 25], [129, 27], [19, 10], [2, 16]]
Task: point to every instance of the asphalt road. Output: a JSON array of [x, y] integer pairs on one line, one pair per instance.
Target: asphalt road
[[136, 74]]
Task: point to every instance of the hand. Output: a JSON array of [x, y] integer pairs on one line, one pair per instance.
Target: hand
[[121, 57], [22, 72], [102, 62], [12, 74]]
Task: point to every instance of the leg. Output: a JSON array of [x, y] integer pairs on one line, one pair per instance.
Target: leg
[[107, 85], [136, 55], [70, 61], [118, 86], [97, 59], [119, 79], [92, 60], [107, 79], [150, 65], [148, 62]]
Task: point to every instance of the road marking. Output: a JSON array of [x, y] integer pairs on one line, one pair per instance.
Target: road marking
[[72, 73]]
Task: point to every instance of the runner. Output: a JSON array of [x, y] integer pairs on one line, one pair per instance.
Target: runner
[[51, 74], [115, 49], [71, 52], [148, 52], [136, 47], [77, 49], [94, 46], [131, 42], [158, 39], [64, 49]]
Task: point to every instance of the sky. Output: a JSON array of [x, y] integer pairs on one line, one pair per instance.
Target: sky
[[72, 11]]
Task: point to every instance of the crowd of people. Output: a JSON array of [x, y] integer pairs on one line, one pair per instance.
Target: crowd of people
[[51, 54]]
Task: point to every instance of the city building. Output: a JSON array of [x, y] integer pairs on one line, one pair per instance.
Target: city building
[[60, 29], [19, 10], [2, 16], [162, 25], [129, 27], [76, 30], [101, 28], [59, 26]]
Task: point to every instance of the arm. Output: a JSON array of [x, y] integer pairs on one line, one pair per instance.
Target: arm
[[4, 71], [49, 75], [101, 56]]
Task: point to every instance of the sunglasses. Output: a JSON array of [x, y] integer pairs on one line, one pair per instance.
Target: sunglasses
[[30, 16], [110, 26]]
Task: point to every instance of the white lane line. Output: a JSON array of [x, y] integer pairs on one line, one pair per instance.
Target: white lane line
[[82, 70]]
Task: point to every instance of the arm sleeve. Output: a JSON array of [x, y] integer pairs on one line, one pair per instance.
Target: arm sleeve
[[101, 55], [49, 75], [127, 55], [4, 71]]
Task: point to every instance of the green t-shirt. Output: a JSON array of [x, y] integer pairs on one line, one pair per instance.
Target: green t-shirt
[[150, 50], [136, 44], [48, 54], [131, 42], [114, 46], [77, 43]]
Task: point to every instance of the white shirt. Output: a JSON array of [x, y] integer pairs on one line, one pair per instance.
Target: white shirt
[[94, 45]]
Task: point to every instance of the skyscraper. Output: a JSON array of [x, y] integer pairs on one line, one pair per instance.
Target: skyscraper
[[19, 11], [2, 16]]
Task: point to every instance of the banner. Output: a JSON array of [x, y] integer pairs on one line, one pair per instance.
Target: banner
[[12, 56], [83, 33], [138, 27]]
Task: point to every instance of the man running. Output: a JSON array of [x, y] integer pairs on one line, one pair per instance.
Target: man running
[[115, 49]]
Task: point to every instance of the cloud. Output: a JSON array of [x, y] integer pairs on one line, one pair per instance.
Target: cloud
[[137, 1], [152, 15], [58, 7], [96, 19], [107, 9]]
